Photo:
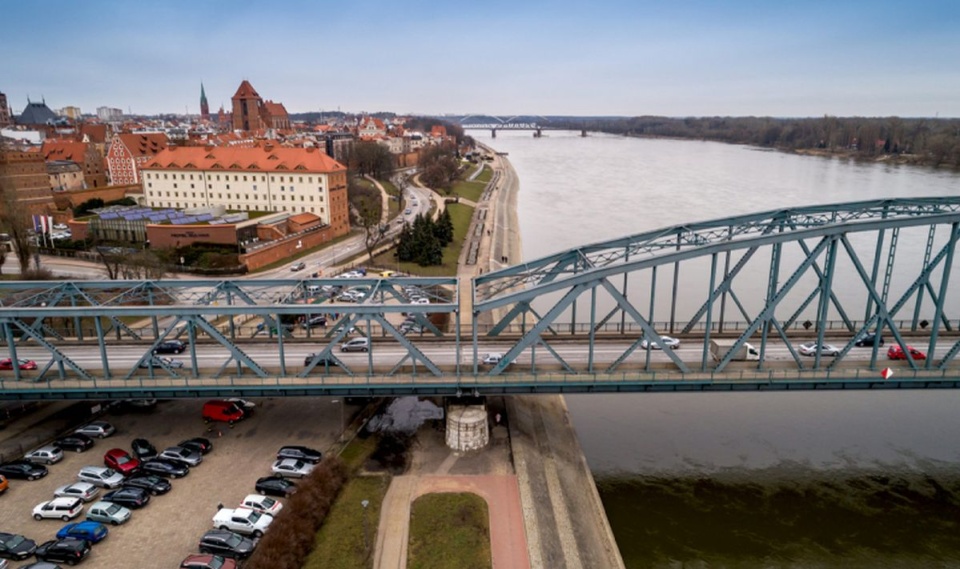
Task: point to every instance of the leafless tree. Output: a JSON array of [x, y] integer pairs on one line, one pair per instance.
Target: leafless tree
[[15, 222]]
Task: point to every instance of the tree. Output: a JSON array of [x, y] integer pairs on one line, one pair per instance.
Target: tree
[[443, 229], [368, 218], [368, 158], [439, 166], [16, 222]]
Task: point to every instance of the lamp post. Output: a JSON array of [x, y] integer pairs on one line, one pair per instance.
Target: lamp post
[[342, 428], [366, 537]]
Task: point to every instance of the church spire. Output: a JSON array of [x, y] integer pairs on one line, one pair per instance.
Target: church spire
[[204, 107]]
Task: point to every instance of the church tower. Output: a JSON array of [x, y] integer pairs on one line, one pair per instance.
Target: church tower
[[204, 107]]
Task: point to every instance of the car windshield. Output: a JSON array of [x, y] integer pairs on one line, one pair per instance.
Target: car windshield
[[113, 509], [234, 540], [123, 459], [14, 541], [267, 502], [216, 562], [254, 517], [109, 473]]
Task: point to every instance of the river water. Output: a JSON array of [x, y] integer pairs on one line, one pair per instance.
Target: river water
[[744, 480]]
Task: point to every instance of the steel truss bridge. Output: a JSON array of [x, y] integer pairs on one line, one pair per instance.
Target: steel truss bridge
[[517, 122], [582, 320]]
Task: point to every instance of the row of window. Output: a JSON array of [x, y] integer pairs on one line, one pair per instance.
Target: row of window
[[236, 177], [246, 207], [230, 196], [192, 187]]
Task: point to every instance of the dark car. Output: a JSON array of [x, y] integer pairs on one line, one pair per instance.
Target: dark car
[[866, 340], [199, 444], [164, 468], [170, 347], [128, 497], [15, 546], [23, 470], [226, 543], [314, 321], [152, 484], [305, 454], [70, 551], [77, 442], [143, 450], [321, 361], [275, 486]]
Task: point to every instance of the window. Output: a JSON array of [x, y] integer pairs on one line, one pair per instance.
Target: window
[[191, 176], [236, 178], [149, 184], [244, 178], [218, 177], [191, 185], [228, 186], [164, 176], [254, 187], [183, 177], [301, 179]]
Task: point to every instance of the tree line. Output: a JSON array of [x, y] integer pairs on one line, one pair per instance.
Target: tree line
[[423, 241]]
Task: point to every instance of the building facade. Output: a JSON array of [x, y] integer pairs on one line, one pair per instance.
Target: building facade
[[252, 113], [25, 174], [264, 178], [83, 153], [129, 152], [6, 117], [108, 114]]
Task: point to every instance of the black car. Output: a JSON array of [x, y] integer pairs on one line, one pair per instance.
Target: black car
[[164, 468], [170, 347], [69, 550], [15, 546], [23, 469], [153, 484], [199, 444], [275, 486], [866, 340], [143, 450], [305, 454], [77, 442], [226, 543], [322, 361], [128, 497]]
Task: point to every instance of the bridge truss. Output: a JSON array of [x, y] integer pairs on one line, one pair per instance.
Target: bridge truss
[[819, 273]]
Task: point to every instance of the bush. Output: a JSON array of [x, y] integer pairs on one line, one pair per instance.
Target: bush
[[291, 536]]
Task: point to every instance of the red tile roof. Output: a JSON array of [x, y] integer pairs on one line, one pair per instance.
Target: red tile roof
[[303, 218], [246, 91], [96, 132], [266, 158], [144, 144], [64, 150], [275, 109]]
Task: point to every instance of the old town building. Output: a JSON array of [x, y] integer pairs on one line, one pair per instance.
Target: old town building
[[6, 117], [251, 112], [128, 152], [83, 153], [25, 174]]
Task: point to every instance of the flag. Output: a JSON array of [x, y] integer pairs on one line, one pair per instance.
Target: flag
[[887, 373]]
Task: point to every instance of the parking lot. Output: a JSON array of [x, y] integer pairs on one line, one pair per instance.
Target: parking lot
[[169, 527]]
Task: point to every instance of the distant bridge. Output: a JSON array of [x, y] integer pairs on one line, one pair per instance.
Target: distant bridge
[[536, 123]]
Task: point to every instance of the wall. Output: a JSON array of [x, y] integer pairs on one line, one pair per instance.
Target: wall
[[286, 249], [163, 236]]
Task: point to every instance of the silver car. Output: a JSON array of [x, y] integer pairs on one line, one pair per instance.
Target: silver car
[[49, 454], [182, 455], [100, 476], [108, 513], [99, 429], [83, 490]]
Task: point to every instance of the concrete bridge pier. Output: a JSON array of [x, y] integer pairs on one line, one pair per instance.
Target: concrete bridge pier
[[493, 133], [538, 133]]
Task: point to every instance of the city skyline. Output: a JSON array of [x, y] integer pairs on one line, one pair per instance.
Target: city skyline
[[609, 58]]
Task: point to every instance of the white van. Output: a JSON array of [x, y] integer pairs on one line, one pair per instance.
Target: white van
[[356, 345]]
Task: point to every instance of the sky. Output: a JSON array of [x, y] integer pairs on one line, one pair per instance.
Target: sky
[[783, 58]]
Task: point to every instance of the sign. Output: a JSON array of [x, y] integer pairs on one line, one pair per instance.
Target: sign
[[887, 373]]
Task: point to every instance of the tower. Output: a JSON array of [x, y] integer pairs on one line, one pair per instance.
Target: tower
[[247, 108], [204, 107]]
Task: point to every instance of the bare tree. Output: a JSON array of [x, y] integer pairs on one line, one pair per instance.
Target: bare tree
[[368, 218], [15, 221]]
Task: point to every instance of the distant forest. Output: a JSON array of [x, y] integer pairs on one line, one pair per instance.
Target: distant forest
[[934, 142]]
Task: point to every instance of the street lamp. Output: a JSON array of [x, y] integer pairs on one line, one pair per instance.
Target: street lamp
[[366, 537], [342, 428]]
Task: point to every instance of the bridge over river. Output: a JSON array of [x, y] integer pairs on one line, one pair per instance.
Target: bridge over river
[[582, 320]]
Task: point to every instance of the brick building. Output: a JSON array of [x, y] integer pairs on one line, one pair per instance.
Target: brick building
[[128, 152], [6, 117], [83, 153], [251, 112], [25, 174]]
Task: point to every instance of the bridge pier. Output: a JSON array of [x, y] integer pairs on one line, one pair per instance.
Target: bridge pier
[[538, 133], [493, 133]]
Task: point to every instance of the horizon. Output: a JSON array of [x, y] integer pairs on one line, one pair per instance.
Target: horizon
[[611, 58]]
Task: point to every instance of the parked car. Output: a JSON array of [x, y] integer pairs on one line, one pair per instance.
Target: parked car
[[298, 266], [164, 468], [7, 364], [83, 490], [305, 454], [121, 461], [896, 353], [128, 497], [667, 341], [143, 449], [292, 468], [101, 476], [149, 482], [314, 321], [811, 349], [70, 551], [94, 532], [161, 362], [866, 340], [242, 520], [59, 508], [170, 347], [207, 561], [23, 470], [182, 455], [222, 410], [99, 429], [50, 454], [4, 484], [275, 486], [199, 444], [262, 504], [226, 543], [108, 513], [76, 442], [355, 345], [15, 546]]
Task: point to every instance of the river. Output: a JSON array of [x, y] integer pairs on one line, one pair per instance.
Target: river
[[744, 480]]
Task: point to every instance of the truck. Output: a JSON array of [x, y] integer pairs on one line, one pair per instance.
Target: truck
[[719, 349]]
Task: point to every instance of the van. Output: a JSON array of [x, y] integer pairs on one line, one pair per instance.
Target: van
[[356, 345], [223, 411]]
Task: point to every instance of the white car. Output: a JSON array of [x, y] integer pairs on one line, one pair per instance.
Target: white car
[[83, 490], [668, 341], [49, 454], [262, 504], [491, 359], [242, 520], [99, 429], [245, 405], [810, 349], [181, 455], [59, 508], [292, 467], [100, 476]]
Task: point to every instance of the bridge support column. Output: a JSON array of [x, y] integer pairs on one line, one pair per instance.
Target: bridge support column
[[493, 133], [538, 133]]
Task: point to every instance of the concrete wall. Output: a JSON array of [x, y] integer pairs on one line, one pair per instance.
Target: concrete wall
[[287, 248]]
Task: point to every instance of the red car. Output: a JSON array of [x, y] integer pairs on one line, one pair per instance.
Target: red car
[[204, 561], [121, 461], [24, 364], [896, 353]]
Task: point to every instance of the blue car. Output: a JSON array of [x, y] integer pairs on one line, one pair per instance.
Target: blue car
[[93, 532]]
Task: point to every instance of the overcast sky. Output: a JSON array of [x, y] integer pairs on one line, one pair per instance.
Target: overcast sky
[[596, 57]]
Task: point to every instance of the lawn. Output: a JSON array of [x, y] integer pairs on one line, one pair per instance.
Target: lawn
[[468, 190], [341, 543], [485, 175], [460, 214], [449, 530]]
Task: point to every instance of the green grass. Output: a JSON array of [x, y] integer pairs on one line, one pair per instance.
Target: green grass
[[357, 451], [460, 214], [468, 190], [449, 530], [485, 175], [340, 542]]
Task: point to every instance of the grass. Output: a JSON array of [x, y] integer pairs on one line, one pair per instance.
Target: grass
[[340, 542], [449, 530], [393, 205], [460, 214], [485, 175], [468, 190]]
